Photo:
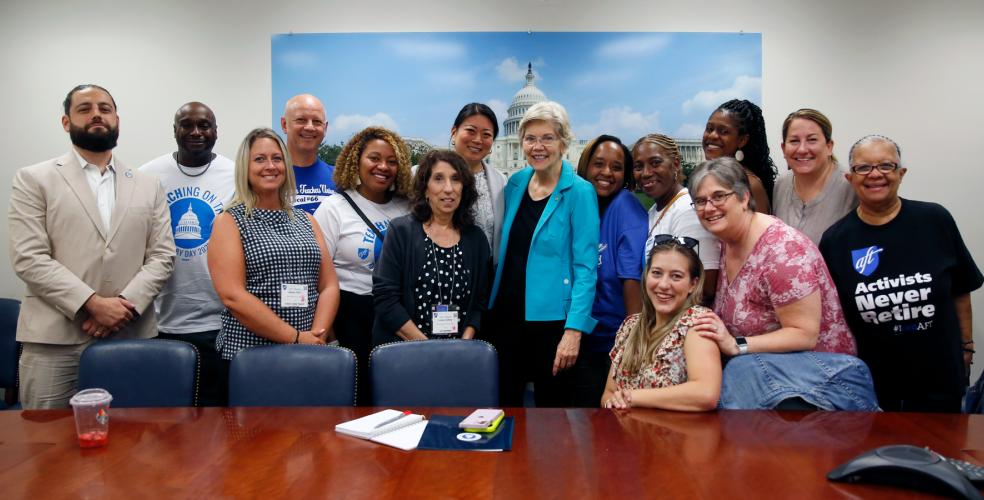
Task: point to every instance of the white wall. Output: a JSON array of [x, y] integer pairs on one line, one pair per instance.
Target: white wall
[[909, 69]]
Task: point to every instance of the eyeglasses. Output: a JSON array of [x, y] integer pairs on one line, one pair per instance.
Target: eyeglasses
[[884, 167], [669, 239], [716, 199], [547, 140]]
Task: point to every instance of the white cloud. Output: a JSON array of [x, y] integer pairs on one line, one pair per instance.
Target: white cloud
[[299, 59], [689, 131], [419, 49], [500, 108], [349, 124], [744, 87], [510, 71], [633, 46], [604, 78], [623, 122]]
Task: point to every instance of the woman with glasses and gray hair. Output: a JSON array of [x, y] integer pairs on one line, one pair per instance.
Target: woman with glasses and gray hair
[[776, 312], [904, 277], [544, 283]]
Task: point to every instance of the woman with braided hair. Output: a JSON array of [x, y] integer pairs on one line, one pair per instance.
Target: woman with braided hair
[[736, 129]]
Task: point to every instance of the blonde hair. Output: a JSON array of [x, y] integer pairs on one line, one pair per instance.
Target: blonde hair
[[552, 113], [347, 163], [646, 336], [244, 192]]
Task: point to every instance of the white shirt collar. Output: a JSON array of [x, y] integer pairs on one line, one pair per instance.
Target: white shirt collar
[[83, 163]]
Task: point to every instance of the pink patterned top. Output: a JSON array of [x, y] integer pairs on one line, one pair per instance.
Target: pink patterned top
[[783, 267], [669, 366]]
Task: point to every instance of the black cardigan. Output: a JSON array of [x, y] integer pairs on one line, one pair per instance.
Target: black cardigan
[[402, 258]]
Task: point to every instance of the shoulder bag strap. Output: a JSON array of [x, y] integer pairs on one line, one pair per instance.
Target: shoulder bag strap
[[365, 219]]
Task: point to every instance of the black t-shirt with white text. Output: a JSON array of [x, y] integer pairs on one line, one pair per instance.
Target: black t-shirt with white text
[[897, 284]]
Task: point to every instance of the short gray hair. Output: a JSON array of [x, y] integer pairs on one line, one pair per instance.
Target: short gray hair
[[868, 139], [550, 112], [728, 172]]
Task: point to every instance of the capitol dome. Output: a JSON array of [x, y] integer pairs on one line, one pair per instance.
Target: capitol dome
[[526, 97], [188, 228]]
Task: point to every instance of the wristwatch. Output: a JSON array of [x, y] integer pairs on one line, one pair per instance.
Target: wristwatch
[[742, 345]]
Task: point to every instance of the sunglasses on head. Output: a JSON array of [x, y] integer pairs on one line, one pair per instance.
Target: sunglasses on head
[[684, 241]]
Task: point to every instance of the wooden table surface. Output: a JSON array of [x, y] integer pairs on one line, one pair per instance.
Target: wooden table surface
[[557, 453]]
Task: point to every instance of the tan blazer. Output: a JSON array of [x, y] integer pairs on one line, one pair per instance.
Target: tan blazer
[[59, 248]]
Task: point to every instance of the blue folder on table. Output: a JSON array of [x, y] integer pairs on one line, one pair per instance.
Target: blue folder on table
[[442, 433]]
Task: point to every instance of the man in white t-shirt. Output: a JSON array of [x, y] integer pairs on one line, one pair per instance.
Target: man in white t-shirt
[[199, 185]]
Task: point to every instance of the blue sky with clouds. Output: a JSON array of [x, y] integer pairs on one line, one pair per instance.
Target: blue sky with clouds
[[625, 84]]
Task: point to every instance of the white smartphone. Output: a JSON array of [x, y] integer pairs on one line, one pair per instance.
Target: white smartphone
[[480, 419]]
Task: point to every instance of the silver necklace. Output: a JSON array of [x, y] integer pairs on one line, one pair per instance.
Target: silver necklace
[[182, 167]]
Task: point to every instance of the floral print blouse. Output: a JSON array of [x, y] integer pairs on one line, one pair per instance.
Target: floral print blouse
[[669, 366]]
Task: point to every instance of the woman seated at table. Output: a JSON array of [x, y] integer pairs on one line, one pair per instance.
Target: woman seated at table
[[658, 360], [433, 272], [604, 163], [904, 277], [656, 168], [736, 129], [777, 312], [814, 194], [267, 259], [373, 181]]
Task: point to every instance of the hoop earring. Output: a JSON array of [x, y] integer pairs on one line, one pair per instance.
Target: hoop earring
[[739, 156]]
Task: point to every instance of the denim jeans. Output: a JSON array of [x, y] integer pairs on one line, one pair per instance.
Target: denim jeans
[[829, 381]]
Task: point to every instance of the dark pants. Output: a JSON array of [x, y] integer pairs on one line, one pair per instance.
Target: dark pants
[[213, 375], [353, 329], [526, 354], [590, 376]]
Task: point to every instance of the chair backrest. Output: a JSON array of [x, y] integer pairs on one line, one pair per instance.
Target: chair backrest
[[435, 373], [9, 350], [142, 373], [293, 375]]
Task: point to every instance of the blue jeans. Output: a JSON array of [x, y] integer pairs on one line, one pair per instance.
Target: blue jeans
[[826, 380]]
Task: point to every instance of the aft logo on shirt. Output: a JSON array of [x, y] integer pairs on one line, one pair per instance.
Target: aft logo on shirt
[[371, 247], [866, 259]]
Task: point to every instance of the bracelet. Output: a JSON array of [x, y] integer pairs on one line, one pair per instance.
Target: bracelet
[[297, 335]]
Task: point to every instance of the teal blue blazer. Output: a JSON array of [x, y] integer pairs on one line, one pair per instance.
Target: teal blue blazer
[[561, 269]]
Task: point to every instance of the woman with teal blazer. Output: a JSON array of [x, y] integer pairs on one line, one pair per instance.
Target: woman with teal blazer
[[545, 279]]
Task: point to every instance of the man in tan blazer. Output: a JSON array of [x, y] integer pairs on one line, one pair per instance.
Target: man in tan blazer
[[92, 240]]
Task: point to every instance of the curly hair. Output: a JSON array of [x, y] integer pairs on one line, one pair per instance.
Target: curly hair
[[419, 206], [347, 164], [592, 146], [750, 121]]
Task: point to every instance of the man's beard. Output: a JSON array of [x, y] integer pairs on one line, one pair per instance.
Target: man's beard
[[94, 141]]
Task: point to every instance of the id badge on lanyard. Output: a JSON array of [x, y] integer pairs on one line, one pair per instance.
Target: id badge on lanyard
[[444, 320], [293, 295]]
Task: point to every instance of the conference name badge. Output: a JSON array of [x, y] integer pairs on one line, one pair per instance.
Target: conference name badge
[[293, 295], [444, 320]]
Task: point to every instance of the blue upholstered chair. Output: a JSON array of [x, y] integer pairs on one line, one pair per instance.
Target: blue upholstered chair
[[142, 373], [293, 375], [435, 373], [9, 350]]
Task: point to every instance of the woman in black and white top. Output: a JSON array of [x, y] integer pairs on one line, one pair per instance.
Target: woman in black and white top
[[433, 273], [372, 176], [268, 263]]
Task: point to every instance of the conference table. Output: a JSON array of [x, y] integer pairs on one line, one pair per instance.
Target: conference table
[[556, 453]]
